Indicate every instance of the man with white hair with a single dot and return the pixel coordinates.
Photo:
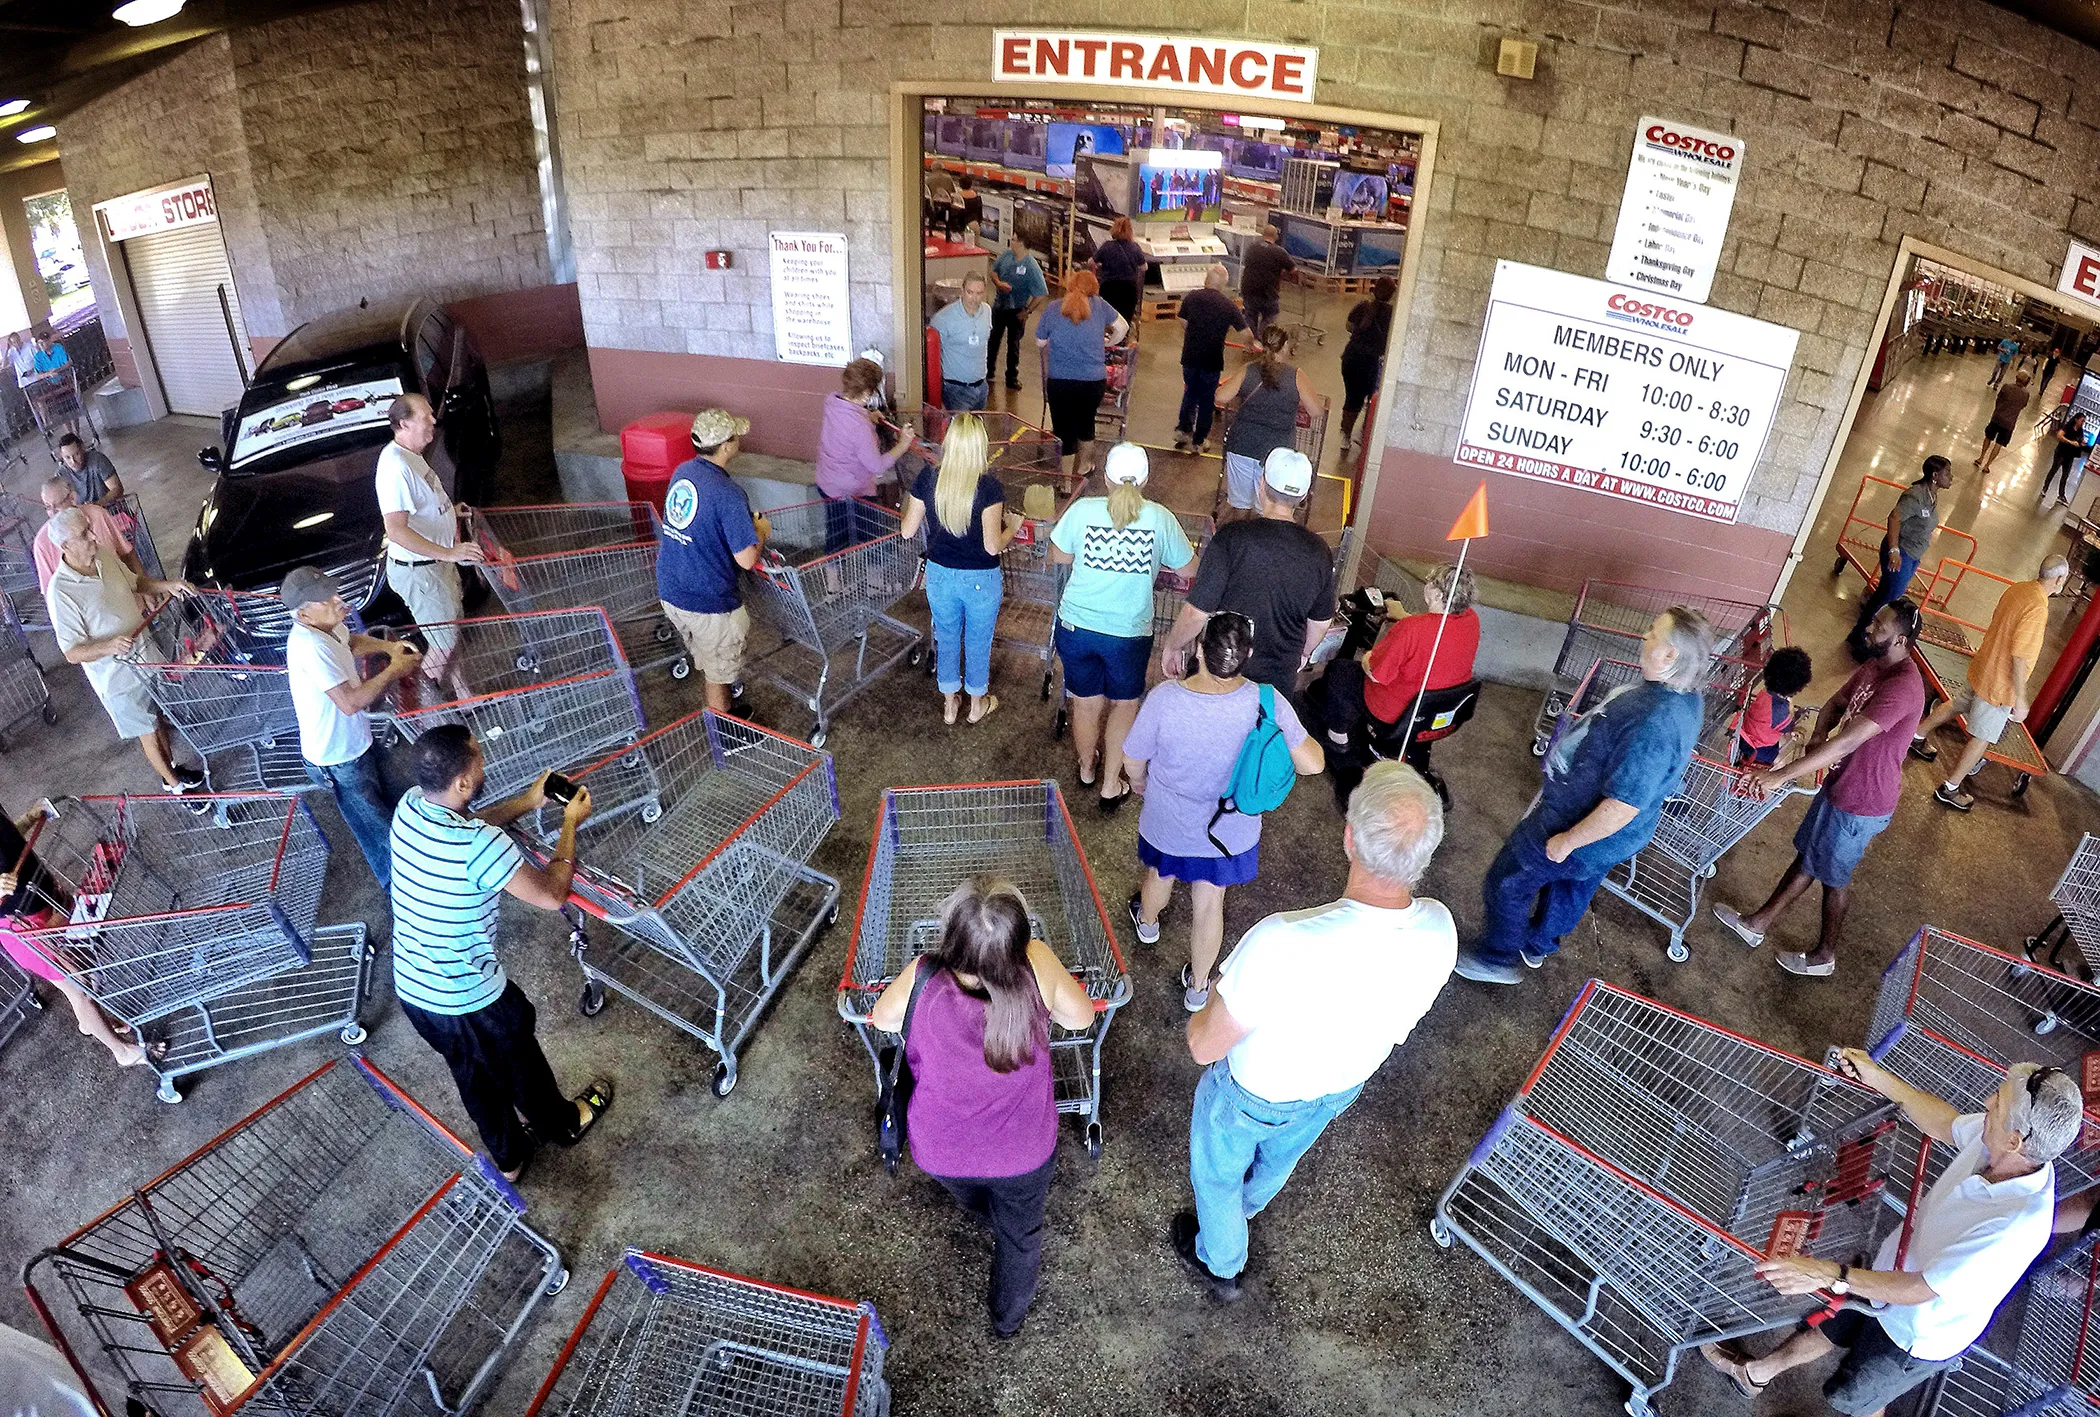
(1606, 782)
(1210, 315)
(1997, 680)
(96, 604)
(1970, 1240)
(423, 550)
(58, 494)
(1307, 1008)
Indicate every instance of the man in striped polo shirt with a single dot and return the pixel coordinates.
(451, 867)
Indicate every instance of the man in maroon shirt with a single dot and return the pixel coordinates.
(1861, 737)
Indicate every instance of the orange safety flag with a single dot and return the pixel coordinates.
(1473, 521)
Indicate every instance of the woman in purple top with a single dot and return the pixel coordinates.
(1180, 754)
(983, 1115)
(850, 459)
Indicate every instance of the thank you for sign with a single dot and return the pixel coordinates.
(812, 311)
(1157, 61)
(160, 209)
(1592, 385)
(1680, 189)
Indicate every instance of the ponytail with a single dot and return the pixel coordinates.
(1125, 501)
(1080, 289)
(1273, 341)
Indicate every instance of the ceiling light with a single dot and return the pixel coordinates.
(147, 12)
(13, 106)
(36, 135)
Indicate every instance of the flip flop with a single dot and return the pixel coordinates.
(598, 1097)
(1733, 1364)
(991, 706)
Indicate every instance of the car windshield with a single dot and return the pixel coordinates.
(334, 406)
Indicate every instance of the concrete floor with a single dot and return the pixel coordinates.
(1350, 1307)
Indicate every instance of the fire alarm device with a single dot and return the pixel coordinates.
(720, 260)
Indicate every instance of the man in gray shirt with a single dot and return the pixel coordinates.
(965, 328)
(1908, 536)
(94, 477)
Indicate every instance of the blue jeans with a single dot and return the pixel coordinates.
(1532, 901)
(1241, 1150)
(965, 606)
(963, 398)
(1199, 401)
(362, 797)
(1891, 584)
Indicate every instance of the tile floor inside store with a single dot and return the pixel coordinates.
(1349, 1305)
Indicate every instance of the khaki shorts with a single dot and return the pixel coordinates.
(1984, 720)
(716, 642)
(128, 699)
(432, 594)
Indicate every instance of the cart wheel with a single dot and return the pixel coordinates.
(354, 1035)
(680, 668)
(663, 634)
(1440, 1232)
(592, 1001)
(2046, 1024)
(1093, 1141)
(528, 663)
(168, 1092)
(1057, 725)
(831, 917)
(1538, 747)
(1706, 872)
(1678, 953)
(557, 1284)
(816, 738)
(725, 1078)
(889, 1164)
(2020, 784)
(652, 810)
(632, 760)
(917, 655)
(50, 712)
(931, 667)
(1046, 686)
(269, 742)
(1838, 566)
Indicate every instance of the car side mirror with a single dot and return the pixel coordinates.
(211, 459)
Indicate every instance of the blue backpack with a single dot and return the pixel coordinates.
(1263, 773)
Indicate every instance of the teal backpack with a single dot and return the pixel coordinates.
(1263, 773)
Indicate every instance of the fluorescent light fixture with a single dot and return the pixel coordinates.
(36, 135)
(1180, 157)
(304, 522)
(13, 106)
(147, 12)
(1256, 120)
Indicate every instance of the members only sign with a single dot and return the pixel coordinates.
(1613, 390)
(1157, 61)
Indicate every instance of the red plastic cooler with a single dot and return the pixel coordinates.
(651, 448)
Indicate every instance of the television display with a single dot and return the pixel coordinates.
(1036, 224)
(952, 136)
(1378, 250)
(987, 141)
(1025, 144)
(1305, 238)
(1187, 193)
(1360, 195)
(1068, 141)
(1258, 162)
(1216, 143)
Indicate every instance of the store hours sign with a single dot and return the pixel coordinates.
(1616, 391)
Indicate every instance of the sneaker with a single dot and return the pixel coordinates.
(1532, 961)
(1195, 1000)
(1472, 966)
(1948, 795)
(197, 805)
(1147, 934)
(189, 777)
(1182, 1235)
(1923, 751)
(1731, 917)
(1801, 964)
(1182, 441)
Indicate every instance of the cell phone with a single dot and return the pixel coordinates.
(560, 789)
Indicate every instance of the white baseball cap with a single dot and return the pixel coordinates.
(1289, 472)
(1127, 463)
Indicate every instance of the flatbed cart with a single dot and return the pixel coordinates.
(928, 840)
(696, 853)
(2076, 897)
(667, 1336)
(589, 554)
(1859, 541)
(337, 1253)
(1649, 1162)
(1944, 649)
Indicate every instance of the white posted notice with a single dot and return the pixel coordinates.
(1595, 386)
(1680, 189)
(812, 310)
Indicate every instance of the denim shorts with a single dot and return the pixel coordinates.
(1103, 666)
(1874, 1371)
(1832, 841)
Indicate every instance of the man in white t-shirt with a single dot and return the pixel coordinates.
(331, 697)
(1309, 1005)
(422, 530)
(1975, 1233)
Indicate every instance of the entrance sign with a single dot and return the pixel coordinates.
(1680, 189)
(1589, 384)
(1232, 67)
(2081, 274)
(159, 209)
(812, 310)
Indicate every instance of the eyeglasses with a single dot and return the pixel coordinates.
(2036, 1078)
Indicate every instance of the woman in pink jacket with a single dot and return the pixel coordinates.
(850, 459)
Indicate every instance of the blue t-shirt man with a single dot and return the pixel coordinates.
(50, 358)
(707, 524)
(1024, 275)
(2007, 348)
(964, 339)
(1633, 748)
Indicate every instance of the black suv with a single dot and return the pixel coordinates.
(298, 454)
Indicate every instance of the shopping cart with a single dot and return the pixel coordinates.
(825, 584)
(18, 578)
(1649, 1163)
(667, 1336)
(131, 521)
(928, 840)
(154, 910)
(215, 684)
(2077, 901)
(1302, 326)
(1952, 1015)
(1311, 440)
(1021, 453)
(23, 692)
(1030, 587)
(18, 999)
(695, 854)
(1985, 1385)
(539, 690)
(1170, 591)
(1725, 693)
(591, 554)
(59, 409)
(2057, 1352)
(337, 1253)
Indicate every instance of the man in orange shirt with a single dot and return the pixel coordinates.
(1998, 675)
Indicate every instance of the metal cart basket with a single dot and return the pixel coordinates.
(23, 692)
(1170, 591)
(1985, 1385)
(18, 999)
(2077, 900)
(599, 554)
(665, 1336)
(1650, 1161)
(214, 684)
(694, 852)
(338, 1253)
(928, 840)
(825, 584)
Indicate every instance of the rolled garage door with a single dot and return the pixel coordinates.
(176, 277)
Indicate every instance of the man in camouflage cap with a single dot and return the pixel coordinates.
(709, 536)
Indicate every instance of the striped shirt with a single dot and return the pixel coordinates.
(449, 874)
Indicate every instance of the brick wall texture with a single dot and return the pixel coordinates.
(370, 151)
(691, 124)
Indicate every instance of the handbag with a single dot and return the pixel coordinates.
(894, 1098)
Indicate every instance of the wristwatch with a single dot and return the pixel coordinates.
(1841, 1285)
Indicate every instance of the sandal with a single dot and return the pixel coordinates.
(1733, 1364)
(598, 1097)
(991, 705)
(948, 707)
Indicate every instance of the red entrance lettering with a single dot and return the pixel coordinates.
(1126, 60)
(1284, 76)
(1240, 61)
(1166, 65)
(1013, 55)
(1053, 58)
(1088, 48)
(2088, 277)
(1206, 66)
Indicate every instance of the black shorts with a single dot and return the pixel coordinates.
(1359, 382)
(1998, 433)
(1874, 1371)
(1073, 404)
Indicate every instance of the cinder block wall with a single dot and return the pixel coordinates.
(689, 124)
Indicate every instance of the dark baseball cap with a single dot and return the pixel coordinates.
(308, 585)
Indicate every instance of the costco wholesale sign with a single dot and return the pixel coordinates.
(161, 209)
(1621, 392)
(1680, 190)
(1157, 61)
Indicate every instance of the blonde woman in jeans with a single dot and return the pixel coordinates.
(968, 529)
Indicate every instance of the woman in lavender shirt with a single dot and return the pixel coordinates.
(983, 1115)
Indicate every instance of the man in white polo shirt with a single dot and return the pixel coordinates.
(1308, 1007)
(422, 530)
(331, 698)
(1975, 1233)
